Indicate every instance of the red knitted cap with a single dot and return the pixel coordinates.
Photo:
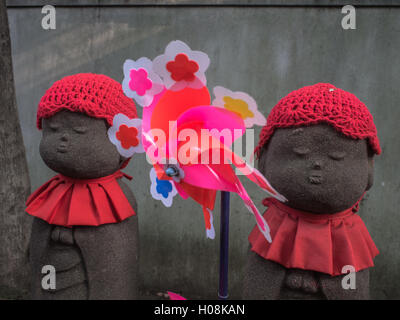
(96, 95)
(318, 103)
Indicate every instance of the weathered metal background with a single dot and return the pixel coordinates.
(265, 48)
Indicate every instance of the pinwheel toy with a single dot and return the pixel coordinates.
(188, 139)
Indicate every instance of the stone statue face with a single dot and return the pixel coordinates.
(77, 146)
(317, 168)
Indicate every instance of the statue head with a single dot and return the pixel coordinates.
(317, 149)
(75, 115)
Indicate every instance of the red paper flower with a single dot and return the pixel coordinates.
(182, 68)
(128, 136)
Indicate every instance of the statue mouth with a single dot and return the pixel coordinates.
(315, 179)
(62, 148)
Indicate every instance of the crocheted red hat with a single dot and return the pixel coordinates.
(318, 103)
(96, 95)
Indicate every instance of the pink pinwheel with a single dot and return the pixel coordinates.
(188, 140)
(205, 162)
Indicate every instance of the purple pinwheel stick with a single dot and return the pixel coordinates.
(224, 247)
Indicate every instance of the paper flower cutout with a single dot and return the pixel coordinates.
(209, 220)
(240, 103)
(163, 190)
(126, 135)
(140, 81)
(180, 67)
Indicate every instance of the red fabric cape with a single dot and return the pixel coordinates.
(319, 242)
(71, 202)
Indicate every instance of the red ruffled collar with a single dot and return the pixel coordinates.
(70, 202)
(320, 242)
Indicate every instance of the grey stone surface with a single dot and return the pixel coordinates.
(266, 52)
(268, 280)
(14, 179)
(204, 2)
(301, 164)
(91, 262)
(86, 154)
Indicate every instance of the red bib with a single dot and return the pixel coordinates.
(70, 202)
(320, 242)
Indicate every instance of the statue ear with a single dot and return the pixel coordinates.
(370, 170)
(261, 160)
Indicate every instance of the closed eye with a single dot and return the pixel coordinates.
(54, 126)
(80, 130)
(301, 151)
(337, 155)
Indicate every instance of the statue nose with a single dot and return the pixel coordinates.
(64, 137)
(317, 164)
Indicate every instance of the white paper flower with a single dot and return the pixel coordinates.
(240, 103)
(210, 232)
(180, 67)
(140, 81)
(163, 190)
(126, 135)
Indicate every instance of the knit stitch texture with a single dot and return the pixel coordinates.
(319, 103)
(96, 95)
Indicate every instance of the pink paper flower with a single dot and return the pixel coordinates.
(140, 81)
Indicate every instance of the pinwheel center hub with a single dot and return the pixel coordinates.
(172, 171)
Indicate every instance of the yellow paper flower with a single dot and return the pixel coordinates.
(240, 103)
(238, 106)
